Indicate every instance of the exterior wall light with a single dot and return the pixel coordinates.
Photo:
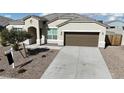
(30, 21)
(61, 33)
(102, 33)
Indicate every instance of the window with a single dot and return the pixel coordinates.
(44, 22)
(112, 27)
(17, 29)
(52, 33)
(31, 21)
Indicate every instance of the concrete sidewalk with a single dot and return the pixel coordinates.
(78, 63)
(34, 46)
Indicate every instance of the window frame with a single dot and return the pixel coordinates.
(52, 32)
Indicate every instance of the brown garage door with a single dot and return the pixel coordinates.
(81, 38)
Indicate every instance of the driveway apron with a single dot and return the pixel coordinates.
(77, 63)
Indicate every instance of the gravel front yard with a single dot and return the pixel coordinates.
(26, 68)
(114, 57)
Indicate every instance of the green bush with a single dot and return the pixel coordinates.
(13, 37)
(4, 37)
(3, 43)
(18, 36)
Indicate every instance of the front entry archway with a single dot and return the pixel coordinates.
(33, 32)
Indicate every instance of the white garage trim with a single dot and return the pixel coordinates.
(81, 30)
(101, 41)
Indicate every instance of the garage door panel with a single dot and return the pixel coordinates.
(81, 39)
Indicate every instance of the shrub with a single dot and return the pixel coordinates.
(13, 37)
(4, 37)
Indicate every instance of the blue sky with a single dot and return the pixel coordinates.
(98, 16)
(18, 15)
(106, 16)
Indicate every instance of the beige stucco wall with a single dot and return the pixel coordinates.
(57, 22)
(34, 23)
(122, 42)
(83, 27)
(38, 24)
(54, 25)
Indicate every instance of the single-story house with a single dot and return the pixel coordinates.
(65, 29)
(76, 30)
(116, 26)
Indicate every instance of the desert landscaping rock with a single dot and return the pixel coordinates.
(31, 67)
(114, 57)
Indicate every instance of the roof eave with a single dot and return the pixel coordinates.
(62, 24)
(25, 18)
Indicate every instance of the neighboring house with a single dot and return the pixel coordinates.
(69, 29)
(116, 26)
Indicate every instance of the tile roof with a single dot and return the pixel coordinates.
(21, 21)
(55, 16)
(108, 22)
(82, 19)
(36, 17)
(72, 18)
(52, 16)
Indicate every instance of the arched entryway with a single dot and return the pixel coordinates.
(33, 32)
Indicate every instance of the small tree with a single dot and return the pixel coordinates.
(14, 37)
(1, 28)
(4, 37)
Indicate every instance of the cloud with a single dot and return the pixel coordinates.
(112, 14)
(115, 16)
(104, 14)
(118, 14)
(111, 18)
(9, 16)
(43, 14)
(107, 16)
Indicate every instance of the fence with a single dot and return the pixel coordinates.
(113, 40)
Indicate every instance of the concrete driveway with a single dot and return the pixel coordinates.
(78, 63)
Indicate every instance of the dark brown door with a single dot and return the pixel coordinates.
(81, 38)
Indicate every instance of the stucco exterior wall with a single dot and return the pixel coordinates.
(54, 25)
(122, 42)
(82, 27)
(32, 22)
